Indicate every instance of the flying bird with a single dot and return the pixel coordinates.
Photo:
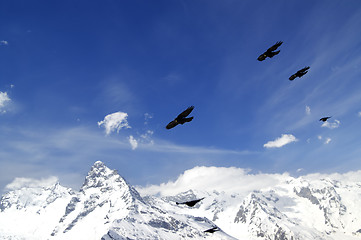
(181, 118)
(324, 119)
(299, 73)
(191, 203)
(270, 52)
(212, 230)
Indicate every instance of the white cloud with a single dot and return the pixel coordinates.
(280, 142)
(4, 99)
(145, 138)
(115, 121)
(231, 180)
(19, 183)
(308, 110)
(3, 42)
(319, 137)
(359, 114)
(331, 125)
(215, 178)
(328, 140)
(133, 142)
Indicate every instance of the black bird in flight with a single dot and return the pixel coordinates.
(324, 119)
(270, 52)
(191, 203)
(299, 73)
(181, 118)
(212, 230)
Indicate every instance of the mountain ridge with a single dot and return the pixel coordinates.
(108, 207)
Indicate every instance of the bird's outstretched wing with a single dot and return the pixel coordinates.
(274, 47)
(190, 203)
(324, 119)
(172, 124)
(299, 73)
(270, 52)
(186, 112)
(303, 70)
(212, 230)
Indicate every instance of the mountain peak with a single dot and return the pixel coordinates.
(103, 178)
(98, 164)
(98, 174)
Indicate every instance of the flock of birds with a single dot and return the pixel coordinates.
(183, 117)
(271, 52)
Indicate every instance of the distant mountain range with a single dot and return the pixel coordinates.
(107, 207)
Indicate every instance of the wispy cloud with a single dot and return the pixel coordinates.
(116, 92)
(147, 116)
(162, 146)
(308, 110)
(133, 142)
(63, 152)
(172, 78)
(3, 42)
(331, 125)
(4, 99)
(328, 140)
(147, 137)
(114, 122)
(359, 114)
(47, 152)
(281, 141)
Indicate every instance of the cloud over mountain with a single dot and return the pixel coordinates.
(215, 178)
(19, 183)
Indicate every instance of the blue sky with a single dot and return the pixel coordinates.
(65, 66)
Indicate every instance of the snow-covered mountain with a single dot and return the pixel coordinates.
(273, 206)
(107, 207)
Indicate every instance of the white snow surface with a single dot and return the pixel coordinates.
(316, 206)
